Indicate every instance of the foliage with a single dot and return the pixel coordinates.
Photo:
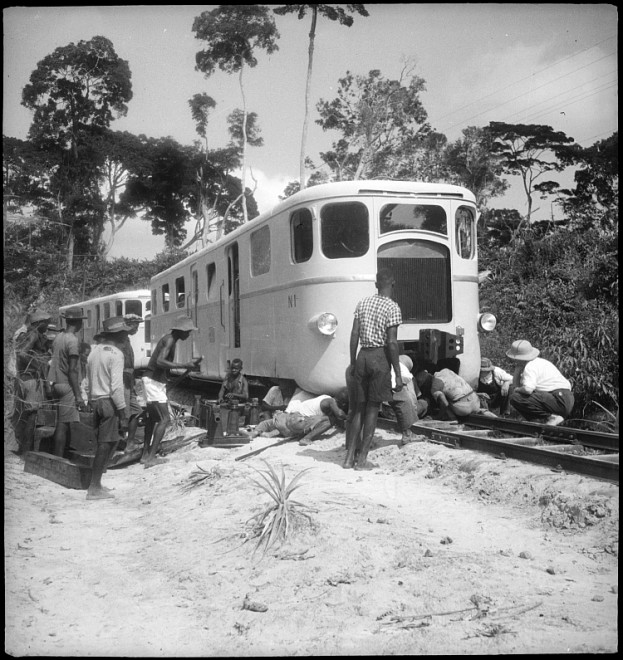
(273, 524)
(377, 118)
(553, 289)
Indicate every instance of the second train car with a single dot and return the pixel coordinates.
(280, 291)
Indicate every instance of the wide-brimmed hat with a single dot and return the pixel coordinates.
(74, 313)
(115, 324)
(522, 350)
(38, 315)
(185, 324)
(486, 364)
(133, 318)
(407, 361)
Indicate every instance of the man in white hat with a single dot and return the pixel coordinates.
(541, 391)
(64, 375)
(155, 386)
(107, 398)
(31, 349)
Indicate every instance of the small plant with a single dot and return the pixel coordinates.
(273, 524)
(201, 476)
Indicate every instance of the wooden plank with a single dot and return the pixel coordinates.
(57, 469)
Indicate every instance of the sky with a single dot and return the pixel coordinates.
(550, 63)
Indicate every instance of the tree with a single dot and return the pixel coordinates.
(231, 34)
(595, 199)
(75, 93)
(375, 116)
(471, 163)
(200, 106)
(530, 151)
(333, 13)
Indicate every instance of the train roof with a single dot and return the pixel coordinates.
(364, 187)
(145, 293)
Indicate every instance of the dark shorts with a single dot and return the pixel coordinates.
(158, 412)
(67, 411)
(373, 376)
(105, 421)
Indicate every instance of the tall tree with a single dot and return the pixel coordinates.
(471, 163)
(231, 34)
(530, 151)
(374, 116)
(333, 13)
(75, 93)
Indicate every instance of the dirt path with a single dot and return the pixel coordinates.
(435, 551)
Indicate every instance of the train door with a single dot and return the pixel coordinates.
(233, 292)
(192, 304)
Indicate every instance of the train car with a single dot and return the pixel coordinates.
(118, 304)
(280, 291)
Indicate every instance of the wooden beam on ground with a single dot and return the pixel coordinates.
(57, 469)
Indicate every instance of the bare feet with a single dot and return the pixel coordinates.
(150, 462)
(100, 493)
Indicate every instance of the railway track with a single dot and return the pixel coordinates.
(589, 453)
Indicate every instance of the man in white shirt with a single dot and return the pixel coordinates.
(541, 391)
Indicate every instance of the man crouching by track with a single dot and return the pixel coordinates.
(155, 386)
(107, 398)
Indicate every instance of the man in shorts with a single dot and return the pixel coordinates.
(155, 386)
(64, 374)
(31, 349)
(107, 398)
(131, 401)
(375, 328)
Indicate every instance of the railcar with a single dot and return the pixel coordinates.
(280, 291)
(97, 310)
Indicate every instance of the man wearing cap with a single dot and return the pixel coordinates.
(31, 364)
(131, 401)
(64, 375)
(107, 398)
(541, 391)
(155, 386)
(493, 387)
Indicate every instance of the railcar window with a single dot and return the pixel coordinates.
(345, 230)
(211, 273)
(118, 307)
(180, 292)
(260, 251)
(147, 305)
(89, 318)
(428, 217)
(165, 297)
(465, 229)
(134, 307)
(301, 235)
(106, 310)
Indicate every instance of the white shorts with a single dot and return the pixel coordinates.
(155, 391)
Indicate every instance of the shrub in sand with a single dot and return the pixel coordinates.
(274, 523)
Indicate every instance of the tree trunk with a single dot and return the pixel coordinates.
(312, 34)
(245, 216)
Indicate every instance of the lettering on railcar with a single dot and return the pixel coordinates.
(292, 300)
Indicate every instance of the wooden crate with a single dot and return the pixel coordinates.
(57, 469)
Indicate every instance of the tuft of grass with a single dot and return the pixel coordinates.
(201, 476)
(273, 524)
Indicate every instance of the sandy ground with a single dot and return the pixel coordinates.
(434, 551)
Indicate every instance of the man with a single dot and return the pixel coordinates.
(131, 401)
(494, 387)
(405, 404)
(277, 398)
(31, 362)
(454, 396)
(107, 398)
(541, 392)
(64, 375)
(375, 328)
(155, 386)
(235, 385)
(306, 416)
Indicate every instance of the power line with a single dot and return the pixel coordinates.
(530, 91)
(564, 59)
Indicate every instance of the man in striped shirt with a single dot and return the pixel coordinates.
(375, 329)
(106, 391)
